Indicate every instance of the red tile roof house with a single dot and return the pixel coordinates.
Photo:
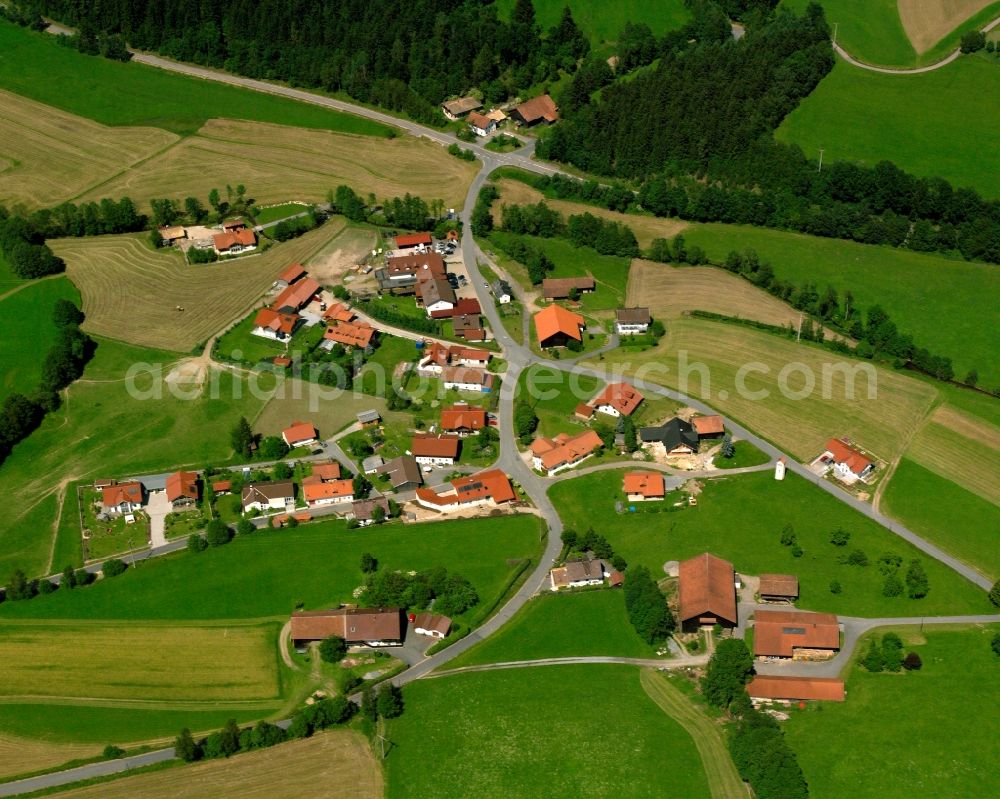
(417, 266)
(323, 473)
(795, 634)
(463, 419)
(643, 486)
(432, 625)
(348, 334)
(222, 487)
(267, 496)
(465, 378)
(559, 288)
(436, 356)
(491, 487)
(338, 313)
(409, 241)
(300, 434)
(778, 587)
(764, 689)
(555, 326)
(469, 326)
(296, 296)
(291, 274)
(707, 589)
(708, 426)
(276, 326)
(617, 399)
(537, 109)
(481, 125)
(182, 489)
(374, 627)
(435, 450)
(235, 242)
(123, 497)
(579, 573)
(334, 492)
(553, 455)
(849, 465)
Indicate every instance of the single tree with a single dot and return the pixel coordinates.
(369, 563)
(788, 537)
(368, 707)
(112, 752)
(230, 743)
(184, 746)
(244, 527)
(728, 672)
(113, 567)
(332, 649)
(389, 703)
(196, 543)
(912, 662)
(995, 644)
(917, 584)
(569, 538)
(872, 660)
(892, 586)
(241, 438)
(840, 537)
(217, 533)
(995, 594)
(728, 448)
(629, 436)
(281, 471)
(68, 577)
(378, 514)
(362, 487)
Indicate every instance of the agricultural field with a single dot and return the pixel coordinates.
(881, 423)
(113, 93)
(54, 156)
(276, 162)
(602, 22)
(899, 734)
(946, 513)
(858, 115)
(112, 662)
(741, 518)
(575, 624)
(669, 291)
(23, 755)
(906, 284)
(304, 768)
(557, 731)
(29, 332)
(131, 292)
(273, 213)
(110, 424)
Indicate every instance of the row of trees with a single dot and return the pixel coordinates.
(25, 250)
(647, 606)
(20, 587)
(87, 219)
(583, 230)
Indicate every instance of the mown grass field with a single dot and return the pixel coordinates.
(741, 518)
(576, 624)
(170, 664)
(131, 292)
(54, 156)
(304, 768)
(946, 513)
(273, 213)
(558, 731)
(275, 162)
(104, 429)
(870, 30)
(916, 290)
(908, 734)
(29, 332)
(934, 123)
(881, 423)
(113, 93)
(602, 22)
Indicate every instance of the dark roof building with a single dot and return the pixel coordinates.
(707, 588)
(403, 473)
(677, 437)
(559, 288)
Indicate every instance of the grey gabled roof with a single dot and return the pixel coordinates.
(369, 416)
(670, 434)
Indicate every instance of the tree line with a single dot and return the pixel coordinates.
(451, 593)
(582, 230)
(25, 250)
(20, 588)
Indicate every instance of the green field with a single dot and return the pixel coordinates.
(29, 332)
(555, 731)
(746, 454)
(114, 93)
(276, 212)
(239, 344)
(267, 573)
(957, 520)
(741, 518)
(917, 733)
(575, 624)
(870, 30)
(933, 124)
(554, 395)
(602, 21)
(905, 283)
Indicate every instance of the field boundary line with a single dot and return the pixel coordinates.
(129, 168)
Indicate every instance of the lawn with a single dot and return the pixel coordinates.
(906, 284)
(554, 395)
(602, 22)
(741, 518)
(267, 573)
(871, 30)
(557, 731)
(240, 345)
(941, 511)
(916, 733)
(574, 624)
(113, 93)
(745, 454)
(863, 116)
(378, 373)
(105, 537)
(273, 213)
(29, 332)
(113, 662)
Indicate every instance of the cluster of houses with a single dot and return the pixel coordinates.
(490, 488)
(538, 110)
(556, 326)
(182, 489)
(234, 237)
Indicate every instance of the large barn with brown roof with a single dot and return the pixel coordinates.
(537, 109)
(765, 687)
(795, 634)
(371, 626)
(555, 326)
(707, 588)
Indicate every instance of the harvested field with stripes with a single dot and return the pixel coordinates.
(22, 755)
(927, 22)
(132, 293)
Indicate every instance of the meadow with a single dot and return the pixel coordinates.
(557, 731)
(29, 332)
(917, 290)
(741, 518)
(912, 733)
(114, 93)
(575, 624)
(554, 395)
(115, 662)
(603, 22)
(942, 511)
(880, 421)
(863, 116)
(871, 30)
(132, 293)
(277, 163)
(304, 768)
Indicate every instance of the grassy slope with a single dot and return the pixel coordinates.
(559, 731)
(563, 625)
(929, 124)
(266, 573)
(740, 518)
(113, 93)
(909, 734)
(869, 30)
(603, 21)
(29, 332)
(955, 519)
(906, 284)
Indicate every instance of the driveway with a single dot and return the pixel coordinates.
(157, 509)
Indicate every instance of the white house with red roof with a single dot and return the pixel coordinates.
(274, 325)
(122, 497)
(617, 399)
(491, 487)
(300, 434)
(849, 464)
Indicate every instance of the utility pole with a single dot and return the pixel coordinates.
(820, 160)
(835, 24)
(798, 333)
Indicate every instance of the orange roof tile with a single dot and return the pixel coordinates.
(555, 319)
(122, 492)
(182, 484)
(334, 489)
(649, 484)
(843, 453)
(707, 588)
(299, 431)
(226, 241)
(297, 294)
(623, 397)
(463, 417)
(338, 313)
(292, 273)
(792, 688)
(708, 425)
(778, 633)
(269, 319)
(571, 450)
(435, 446)
(350, 334)
(413, 239)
